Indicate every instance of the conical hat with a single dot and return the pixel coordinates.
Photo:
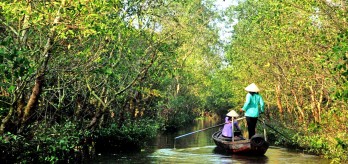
(232, 113)
(252, 88)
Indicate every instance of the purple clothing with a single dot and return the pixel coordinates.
(227, 130)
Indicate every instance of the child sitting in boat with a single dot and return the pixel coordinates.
(227, 129)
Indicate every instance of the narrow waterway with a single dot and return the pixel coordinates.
(200, 148)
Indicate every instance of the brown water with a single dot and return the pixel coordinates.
(200, 148)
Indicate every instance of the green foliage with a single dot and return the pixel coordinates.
(14, 63)
(133, 131)
(180, 111)
(129, 137)
(57, 143)
(337, 59)
(319, 144)
(114, 66)
(11, 146)
(293, 50)
(221, 97)
(316, 140)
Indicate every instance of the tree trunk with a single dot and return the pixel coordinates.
(313, 104)
(26, 25)
(34, 97)
(6, 120)
(20, 106)
(279, 101)
(40, 77)
(177, 85)
(96, 117)
(298, 106)
(320, 101)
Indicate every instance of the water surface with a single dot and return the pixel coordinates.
(200, 148)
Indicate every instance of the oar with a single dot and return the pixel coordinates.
(275, 130)
(196, 132)
(201, 130)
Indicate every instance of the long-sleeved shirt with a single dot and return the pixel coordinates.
(251, 105)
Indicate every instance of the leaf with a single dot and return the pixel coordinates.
(108, 71)
(11, 89)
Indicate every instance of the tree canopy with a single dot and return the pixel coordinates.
(77, 72)
(296, 52)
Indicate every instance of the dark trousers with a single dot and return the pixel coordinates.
(251, 121)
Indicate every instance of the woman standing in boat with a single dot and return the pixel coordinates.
(253, 107)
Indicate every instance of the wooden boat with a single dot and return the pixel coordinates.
(257, 145)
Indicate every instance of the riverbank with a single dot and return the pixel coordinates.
(323, 140)
(71, 146)
(199, 148)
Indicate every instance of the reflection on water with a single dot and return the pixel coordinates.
(235, 158)
(206, 154)
(200, 148)
(209, 154)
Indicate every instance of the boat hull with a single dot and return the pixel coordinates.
(255, 146)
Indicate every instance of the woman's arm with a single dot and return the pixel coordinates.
(247, 101)
(262, 104)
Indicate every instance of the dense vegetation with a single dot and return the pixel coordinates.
(297, 52)
(80, 76)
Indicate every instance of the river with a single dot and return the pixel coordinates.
(200, 148)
